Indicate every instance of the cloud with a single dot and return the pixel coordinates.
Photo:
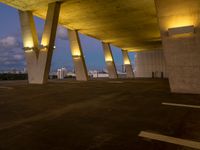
(9, 42)
(18, 57)
(62, 33)
(11, 53)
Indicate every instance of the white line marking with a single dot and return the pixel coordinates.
(168, 139)
(5, 87)
(181, 105)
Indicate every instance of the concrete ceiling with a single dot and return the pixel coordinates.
(128, 24)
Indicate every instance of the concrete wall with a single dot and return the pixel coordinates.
(148, 62)
(182, 52)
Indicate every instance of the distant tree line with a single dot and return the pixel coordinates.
(21, 76)
(11, 76)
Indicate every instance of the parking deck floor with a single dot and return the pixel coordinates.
(94, 115)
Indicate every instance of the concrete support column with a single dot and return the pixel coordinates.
(78, 57)
(48, 40)
(38, 57)
(30, 42)
(127, 64)
(180, 31)
(112, 71)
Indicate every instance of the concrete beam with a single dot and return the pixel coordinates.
(112, 71)
(127, 64)
(78, 57)
(180, 43)
(39, 57)
(132, 17)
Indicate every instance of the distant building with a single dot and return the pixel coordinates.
(61, 73)
(121, 74)
(98, 74)
(71, 74)
(25, 70)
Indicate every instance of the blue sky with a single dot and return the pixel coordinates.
(12, 55)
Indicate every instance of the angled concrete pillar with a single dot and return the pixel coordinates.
(78, 57)
(127, 64)
(180, 31)
(38, 57)
(30, 40)
(112, 71)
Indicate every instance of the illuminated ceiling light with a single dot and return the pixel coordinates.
(109, 60)
(40, 48)
(28, 49)
(43, 47)
(76, 53)
(76, 57)
(108, 57)
(180, 31)
(127, 62)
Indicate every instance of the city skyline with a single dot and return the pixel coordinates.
(12, 55)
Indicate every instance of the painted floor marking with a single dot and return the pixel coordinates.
(181, 105)
(5, 87)
(169, 139)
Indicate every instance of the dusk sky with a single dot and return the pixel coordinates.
(12, 55)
